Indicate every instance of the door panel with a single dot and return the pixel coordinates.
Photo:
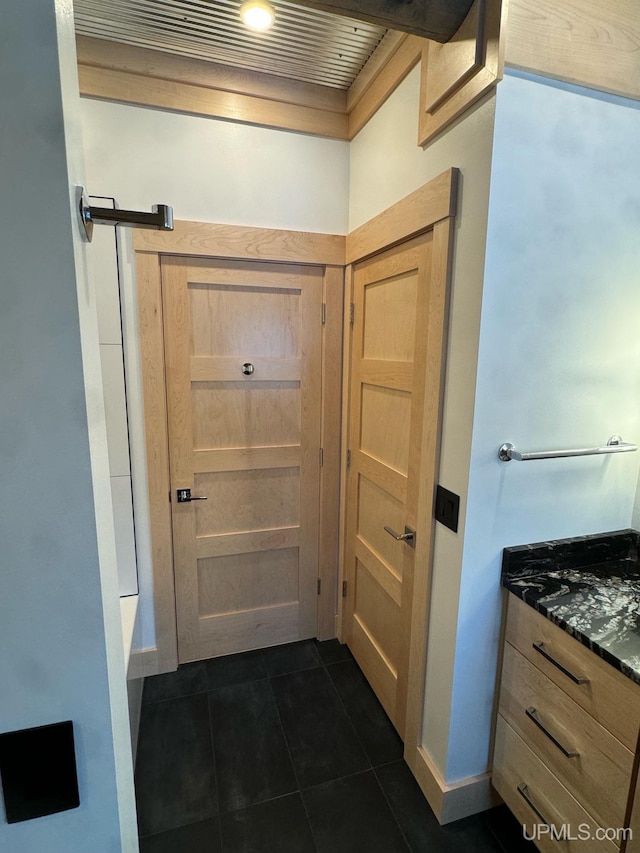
(243, 350)
(262, 414)
(380, 405)
(391, 294)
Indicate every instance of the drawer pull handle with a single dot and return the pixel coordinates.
(577, 679)
(533, 716)
(523, 790)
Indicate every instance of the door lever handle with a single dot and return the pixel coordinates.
(185, 497)
(409, 535)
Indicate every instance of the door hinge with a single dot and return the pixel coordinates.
(344, 589)
(324, 313)
(321, 457)
(348, 459)
(352, 314)
(319, 585)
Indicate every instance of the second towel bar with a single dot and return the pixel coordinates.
(507, 451)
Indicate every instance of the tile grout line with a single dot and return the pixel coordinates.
(215, 769)
(353, 726)
(373, 768)
(319, 662)
(178, 826)
(293, 767)
(322, 665)
(391, 809)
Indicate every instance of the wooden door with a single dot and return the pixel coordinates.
(243, 368)
(391, 303)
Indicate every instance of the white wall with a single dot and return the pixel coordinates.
(386, 165)
(215, 171)
(60, 632)
(208, 170)
(559, 362)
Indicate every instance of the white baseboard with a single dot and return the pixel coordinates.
(143, 662)
(134, 690)
(451, 802)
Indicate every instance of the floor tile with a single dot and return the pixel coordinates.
(333, 651)
(278, 826)
(419, 824)
(293, 657)
(507, 830)
(252, 759)
(375, 730)
(472, 835)
(234, 669)
(189, 678)
(351, 815)
(195, 838)
(322, 741)
(175, 778)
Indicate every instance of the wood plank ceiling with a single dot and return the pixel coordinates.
(305, 44)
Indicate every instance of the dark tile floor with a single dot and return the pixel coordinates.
(286, 750)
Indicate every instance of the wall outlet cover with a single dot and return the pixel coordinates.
(38, 771)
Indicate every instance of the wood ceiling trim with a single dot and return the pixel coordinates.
(389, 77)
(212, 103)
(143, 77)
(379, 58)
(146, 78)
(210, 75)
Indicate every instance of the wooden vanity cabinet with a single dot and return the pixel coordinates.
(566, 738)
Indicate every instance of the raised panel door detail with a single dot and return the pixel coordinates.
(391, 294)
(243, 356)
(243, 414)
(390, 323)
(384, 406)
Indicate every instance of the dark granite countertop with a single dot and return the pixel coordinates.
(589, 586)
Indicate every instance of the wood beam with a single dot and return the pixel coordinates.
(432, 19)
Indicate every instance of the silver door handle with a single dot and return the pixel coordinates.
(247, 368)
(409, 535)
(185, 496)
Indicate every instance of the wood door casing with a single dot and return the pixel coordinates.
(245, 560)
(391, 302)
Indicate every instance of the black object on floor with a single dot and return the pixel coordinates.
(287, 750)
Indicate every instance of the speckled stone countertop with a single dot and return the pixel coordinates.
(589, 586)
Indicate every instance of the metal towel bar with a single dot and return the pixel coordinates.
(160, 218)
(507, 451)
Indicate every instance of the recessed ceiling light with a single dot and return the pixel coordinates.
(257, 14)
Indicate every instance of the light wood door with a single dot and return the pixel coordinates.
(391, 301)
(243, 368)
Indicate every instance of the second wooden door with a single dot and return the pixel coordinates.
(243, 368)
(391, 304)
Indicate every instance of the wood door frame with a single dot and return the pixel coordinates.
(201, 239)
(431, 207)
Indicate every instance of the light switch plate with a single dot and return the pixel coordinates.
(447, 508)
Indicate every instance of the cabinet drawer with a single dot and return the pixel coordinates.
(517, 774)
(586, 758)
(607, 695)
